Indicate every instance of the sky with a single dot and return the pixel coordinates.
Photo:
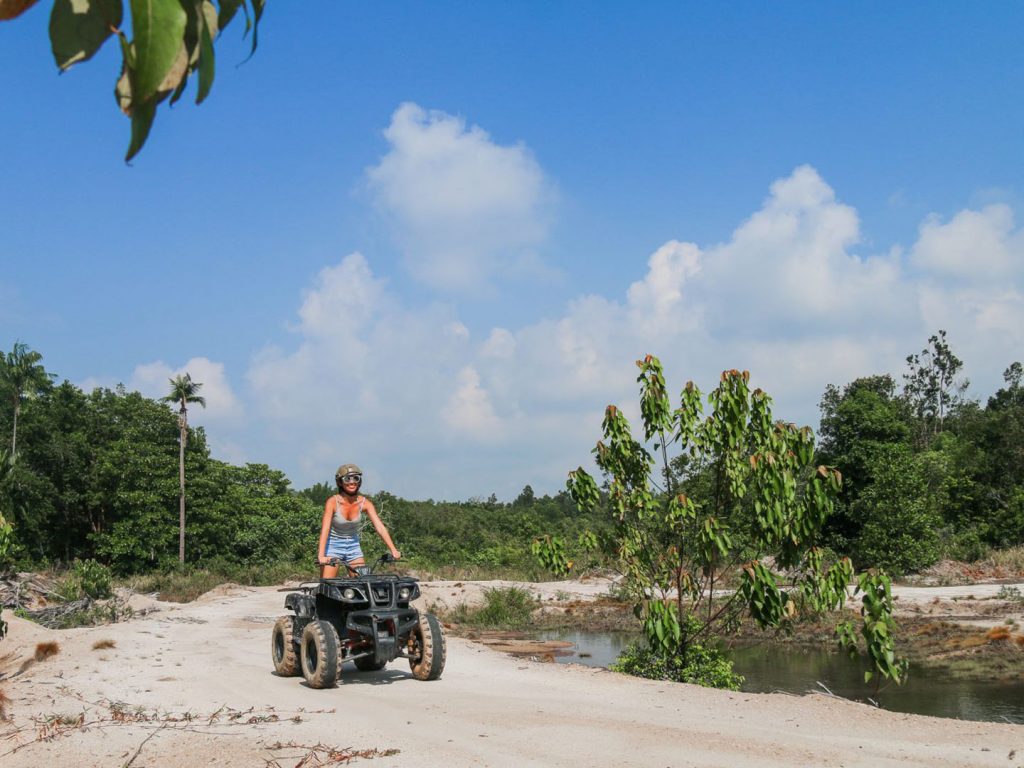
(433, 238)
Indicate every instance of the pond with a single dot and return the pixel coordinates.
(799, 669)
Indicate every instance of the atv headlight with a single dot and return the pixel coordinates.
(349, 593)
(404, 592)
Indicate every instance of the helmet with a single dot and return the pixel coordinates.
(348, 469)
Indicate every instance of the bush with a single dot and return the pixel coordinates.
(901, 518)
(700, 665)
(503, 608)
(87, 578)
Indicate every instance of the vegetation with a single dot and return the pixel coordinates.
(740, 487)
(503, 608)
(699, 504)
(184, 392)
(171, 41)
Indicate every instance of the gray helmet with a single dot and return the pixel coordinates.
(348, 469)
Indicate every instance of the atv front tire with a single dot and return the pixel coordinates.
(320, 653)
(282, 648)
(427, 648)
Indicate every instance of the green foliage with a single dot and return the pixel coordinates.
(931, 386)
(87, 578)
(503, 608)
(900, 514)
(740, 488)
(171, 41)
(877, 630)
(701, 665)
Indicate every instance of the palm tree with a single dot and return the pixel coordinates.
(183, 392)
(23, 374)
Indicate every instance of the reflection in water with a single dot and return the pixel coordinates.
(796, 669)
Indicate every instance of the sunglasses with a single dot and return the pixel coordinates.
(351, 478)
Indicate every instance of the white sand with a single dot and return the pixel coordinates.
(211, 660)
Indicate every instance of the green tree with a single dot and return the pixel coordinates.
(900, 512)
(757, 498)
(184, 392)
(23, 377)
(858, 424)
(932, 387)
(171, 40)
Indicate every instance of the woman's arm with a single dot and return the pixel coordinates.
(325, 531)
(381, 530)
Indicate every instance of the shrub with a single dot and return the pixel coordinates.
(700, 665)
(503, 608)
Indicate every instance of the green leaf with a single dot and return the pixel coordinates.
(206, 60)
(158, 27)
(868, 675)
(79, 27)
(228, 9)
(142, 121)
(257, 7)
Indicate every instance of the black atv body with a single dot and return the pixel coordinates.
(365, 618)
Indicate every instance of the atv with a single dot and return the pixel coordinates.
(364, 618)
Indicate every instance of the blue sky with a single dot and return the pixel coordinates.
(432, 238)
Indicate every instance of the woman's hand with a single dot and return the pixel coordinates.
(323, 560)
(396, 554)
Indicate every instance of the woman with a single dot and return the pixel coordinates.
(342, 522)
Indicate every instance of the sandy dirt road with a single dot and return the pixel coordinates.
(192, 685)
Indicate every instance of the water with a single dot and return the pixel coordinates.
(796, 669)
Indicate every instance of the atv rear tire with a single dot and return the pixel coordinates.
(428, 648)
(368, 664)
(320, 653)
(282, 648)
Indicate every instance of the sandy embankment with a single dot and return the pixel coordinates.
(192, 685)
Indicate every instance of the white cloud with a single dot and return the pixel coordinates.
(469, 410)
(408, 391)
(462, 207)
(222, 405)
(973, 245)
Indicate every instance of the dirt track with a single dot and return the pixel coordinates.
(192, 685)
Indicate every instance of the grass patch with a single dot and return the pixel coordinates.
(183, 585)
(1011, 559)
(503, 608)
(102, 645)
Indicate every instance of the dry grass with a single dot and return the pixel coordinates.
(998, 633)
(102, 645)
(5, 701)
(46, 650)
(1011, 559)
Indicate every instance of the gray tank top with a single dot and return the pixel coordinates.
(346, 528)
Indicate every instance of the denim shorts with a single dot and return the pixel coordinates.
(344, 548)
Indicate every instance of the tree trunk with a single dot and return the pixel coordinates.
(181, 490)
(14, 430)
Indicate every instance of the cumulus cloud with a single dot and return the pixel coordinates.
(463, 208)
(410, 390)
(222, 405)
(973, 245)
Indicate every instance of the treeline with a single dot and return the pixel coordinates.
(927, 473)
(95, 476)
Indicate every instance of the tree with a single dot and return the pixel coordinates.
(183, 392)
(23, 377)
(931, 387)
(749, 496)
(172, 40)
(858, 424)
